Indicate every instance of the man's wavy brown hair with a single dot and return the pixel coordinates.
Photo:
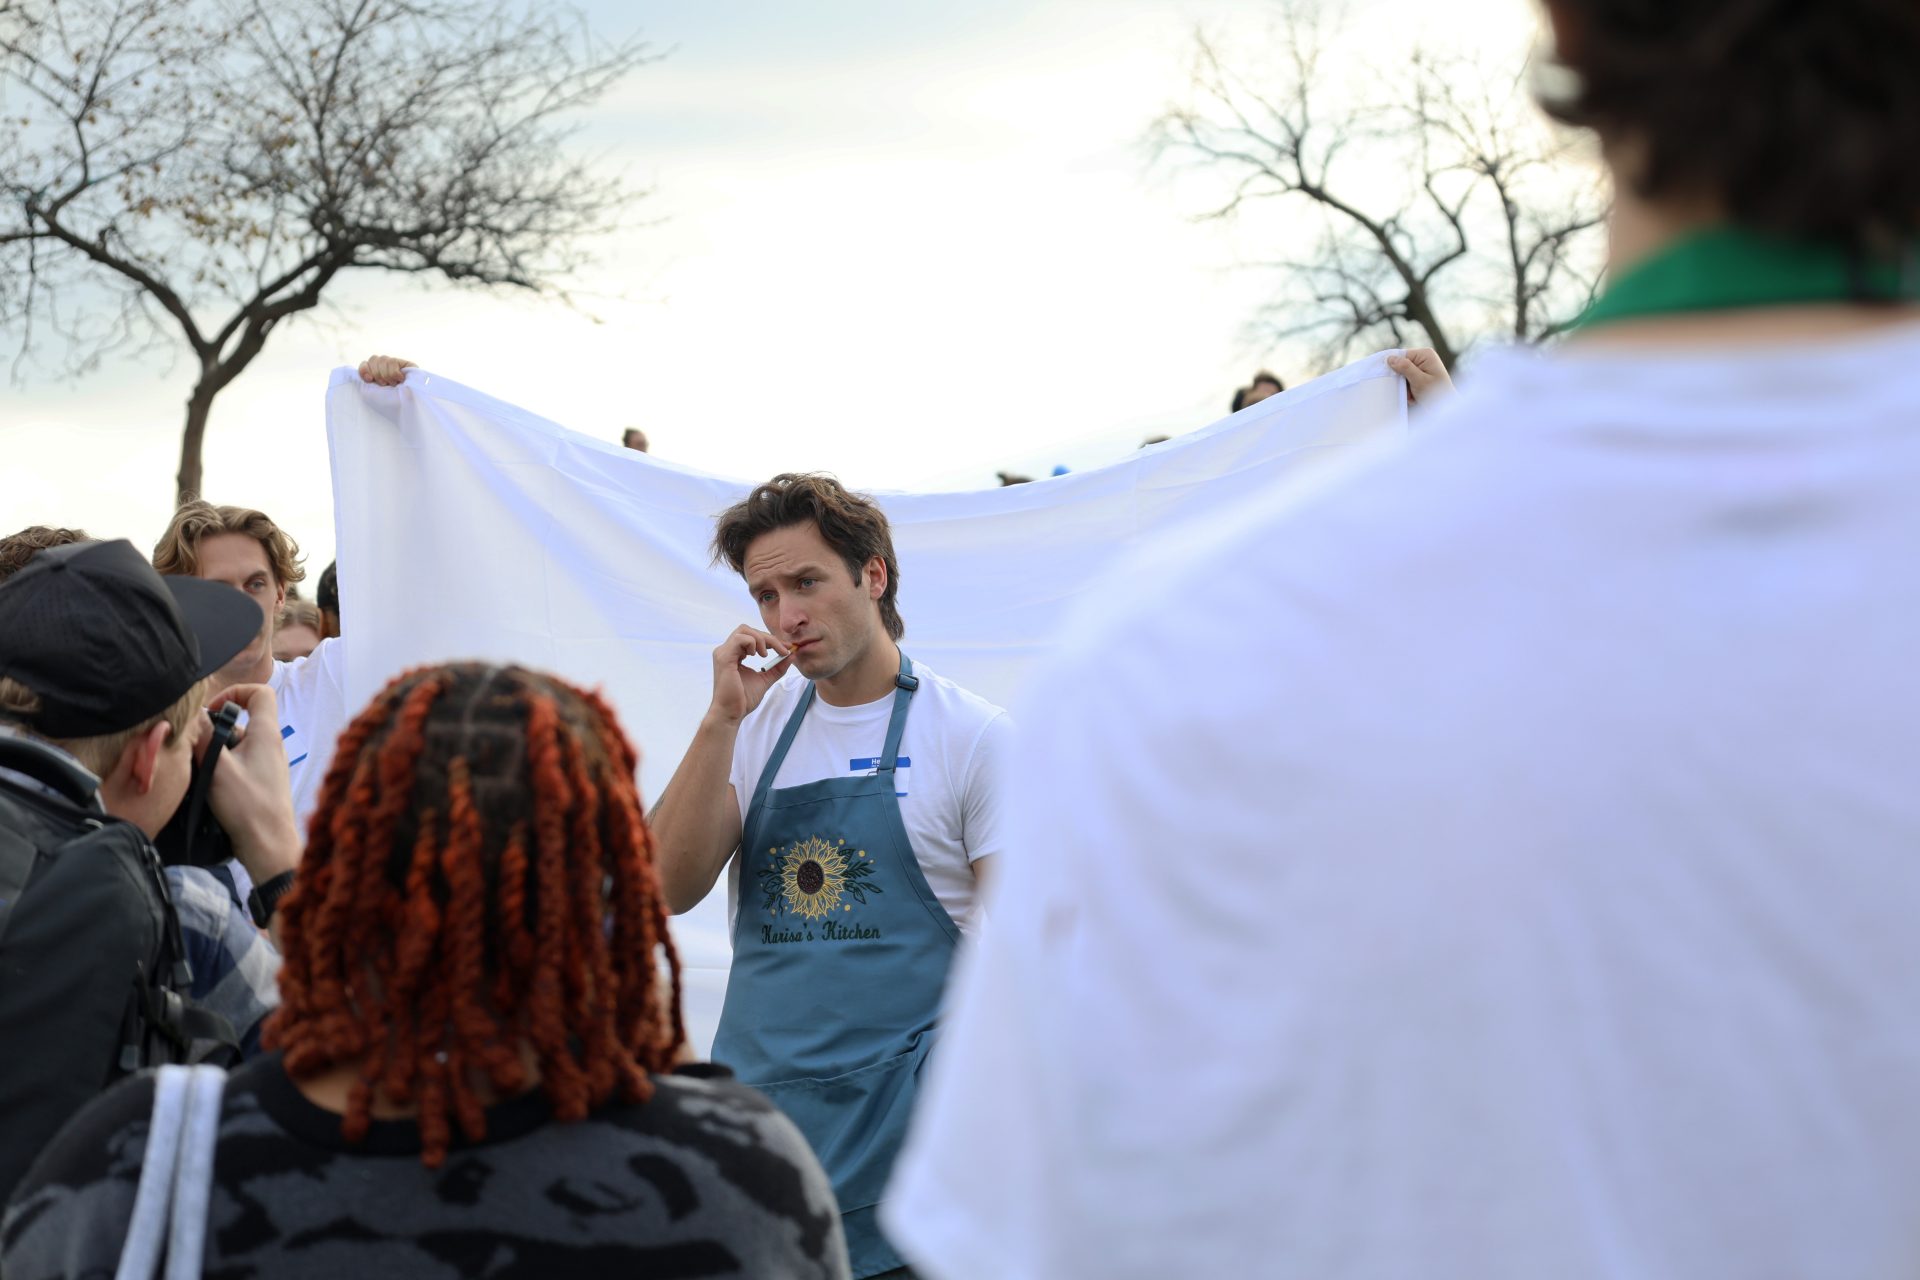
(178, 551)
(1798, 117)
(851, 523)
(478, 908)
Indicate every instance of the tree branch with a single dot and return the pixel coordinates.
(1474, 173)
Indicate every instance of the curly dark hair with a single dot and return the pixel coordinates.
(327, 595)
(1799, 118)
(479, 878)
(851, 523)
(18, 548)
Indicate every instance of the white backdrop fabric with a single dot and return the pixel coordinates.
(468, 528)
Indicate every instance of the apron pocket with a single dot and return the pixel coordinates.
(857, 1121)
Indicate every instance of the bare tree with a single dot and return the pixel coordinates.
(1441, 205)
(203, 170)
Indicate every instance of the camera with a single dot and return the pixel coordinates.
(193, 837)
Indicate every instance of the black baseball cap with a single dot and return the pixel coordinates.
(107, 643)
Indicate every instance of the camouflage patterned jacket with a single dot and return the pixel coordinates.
(706, 1179)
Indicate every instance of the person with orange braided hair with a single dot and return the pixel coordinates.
(478, 977)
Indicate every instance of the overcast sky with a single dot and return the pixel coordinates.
(911, 244)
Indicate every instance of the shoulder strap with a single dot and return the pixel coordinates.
(176, 1176)
(29, 830)
(179, 1030)
(17, 856)
(781, 747)
(193, 1177)
(146, 1232)
(904, 686)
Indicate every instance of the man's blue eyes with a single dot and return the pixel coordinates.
(766, 597)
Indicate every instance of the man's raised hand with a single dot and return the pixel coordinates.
(1426, 374)
(737, 690)
(385, 371)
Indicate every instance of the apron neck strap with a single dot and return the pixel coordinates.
(904, 686)
(779, 756)
(1726, 268)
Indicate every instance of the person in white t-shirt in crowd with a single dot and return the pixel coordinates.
(245, 549)
(1505, 862)
(853, 798)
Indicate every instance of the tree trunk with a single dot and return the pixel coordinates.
(1421, 313)
(199, 405)
(216, 373)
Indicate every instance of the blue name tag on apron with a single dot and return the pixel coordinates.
(865, 765)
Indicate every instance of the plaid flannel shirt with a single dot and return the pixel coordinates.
(236, 971)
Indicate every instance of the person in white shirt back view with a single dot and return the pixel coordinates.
(1505, 863)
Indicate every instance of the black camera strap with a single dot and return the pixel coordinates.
(196, 803)
(192, 837)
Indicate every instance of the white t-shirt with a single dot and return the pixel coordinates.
(949, 775)
(311, 693)
(1506, 864)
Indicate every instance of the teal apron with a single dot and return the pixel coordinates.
(840, 954)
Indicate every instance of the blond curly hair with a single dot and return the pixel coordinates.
(177, 552)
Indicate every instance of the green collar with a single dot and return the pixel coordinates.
(1723, 268)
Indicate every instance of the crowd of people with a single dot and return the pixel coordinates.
(1499, 862)
(476, 972)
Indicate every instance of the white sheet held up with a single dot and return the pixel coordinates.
(468, 528)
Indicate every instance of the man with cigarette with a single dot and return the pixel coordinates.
(853, 798)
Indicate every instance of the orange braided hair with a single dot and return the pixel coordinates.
(479, 887)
